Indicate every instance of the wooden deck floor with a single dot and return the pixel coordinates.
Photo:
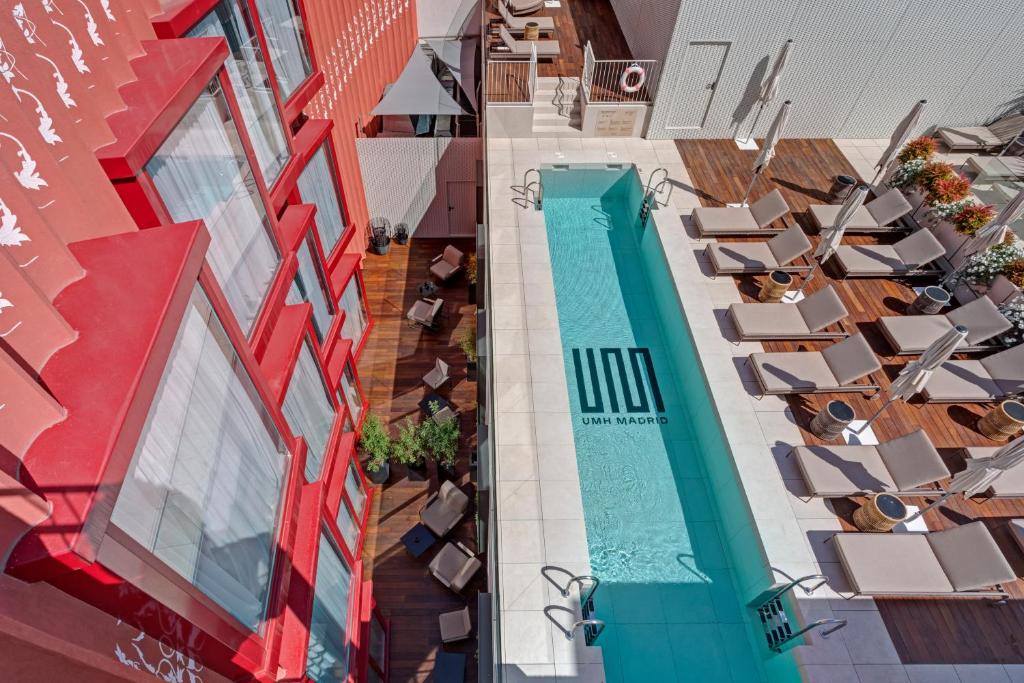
(391, 367)
(924, 631)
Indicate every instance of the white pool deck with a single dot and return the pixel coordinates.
(540, 512)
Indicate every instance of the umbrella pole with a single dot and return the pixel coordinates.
(874, 417)
(936, 503)
(809, 276)
(749, 188)
(750, 135)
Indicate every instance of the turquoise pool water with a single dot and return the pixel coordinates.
(643, 433)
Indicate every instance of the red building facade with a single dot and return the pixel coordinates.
(181, 308)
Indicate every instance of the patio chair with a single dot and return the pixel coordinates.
(521, 48)
(518, 24)
(778, 253)
(438, 375)
(444, 509)
(912, 334)
(992, 136)
(1005, 167)
(443, 414)
(836, 369)
(755, 219)
(454, 566)
(907, 258)
(447, 264)
(902, 466)
(455, 626)
(963, 561)
(992, 378)
(524, 6)
(1009, 484)
(806, 319)
(877, 215)
(426, 313)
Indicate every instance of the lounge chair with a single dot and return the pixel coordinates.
(521, 48)
(444, 509)
(902, 466)
(523, 6)
(912, 334)
(994, 135)
(992, 378)
(447, 264)
(454, 566)
(455, 626)
(778, 253)
(1002, 290)
(997, 167)
(1009, 484)
(426, 313)
(806, 319)
(877, 215)
(833, 370)
(907, 258)
(960, 562)
(518, 24)
(438, 375)
(755, 219)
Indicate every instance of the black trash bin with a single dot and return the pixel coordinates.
(841, 188)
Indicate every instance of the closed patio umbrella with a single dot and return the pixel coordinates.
(770, 87)
(898, 139)
(990, 235)
(833, 235)
(768, 151)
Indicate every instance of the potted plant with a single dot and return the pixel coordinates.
(376, 445)
(401, 233)
(1005, 259)
(409, 449)
(1014, 312)
(380, 236)
(471, 277)
(441, 441)
(972, 218)
(468, 344)
(921, 148)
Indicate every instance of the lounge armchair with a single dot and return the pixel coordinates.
(806, 319)
(778, 253)
(454, 566)
(755, 219)
(992, 378)
(960, 562)
(426, 313)
(836, 369)
(455, 626)
(902, 466)
(997, 167)
(518, 24)
(444, 509)
(912, 334)
(1009, 484)
(907, 258)
(438, 375)
(994, 135)
(521, 48)
(447, 265)
(877, 215)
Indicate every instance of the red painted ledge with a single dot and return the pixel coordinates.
(283, 347)
(302, 95)
(310, 137)
(176, 21)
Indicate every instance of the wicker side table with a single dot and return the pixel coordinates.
(1003, 421)
(774, 287)
(880, 513)
(831, 420)
(930, 301)
(531, 31)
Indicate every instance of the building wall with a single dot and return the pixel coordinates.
(856, 68)
(647, 26)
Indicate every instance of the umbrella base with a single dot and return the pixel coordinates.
(853, 437)
(792, 297)
(737, 205)
(914, 525)
(750, 144)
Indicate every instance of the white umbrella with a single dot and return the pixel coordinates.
(980, 474)
(990, 235)
(915, 374)
(898, 139)
(770, 87)
(833, 235)
(768, 150)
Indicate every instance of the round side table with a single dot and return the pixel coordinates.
(930, 301)
(531, 31)
(1003, 421)
(774, 287)
(881, 513)
(830, 422)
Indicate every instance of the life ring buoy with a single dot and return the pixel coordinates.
(632, 70)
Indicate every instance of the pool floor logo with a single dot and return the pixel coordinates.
(621, 385)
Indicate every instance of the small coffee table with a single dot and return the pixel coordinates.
(418, 540)
(450, 667)
(428, 288)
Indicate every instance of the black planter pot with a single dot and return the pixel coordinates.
(446, 472)
(418, 472)
(401, 238)
(381, 475)
(472, 292)
(471, 370)
(381, 248)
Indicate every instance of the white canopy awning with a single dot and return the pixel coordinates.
(448, 18)
(417, 91)
(460, 58)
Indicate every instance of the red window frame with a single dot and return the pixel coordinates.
(311, 138)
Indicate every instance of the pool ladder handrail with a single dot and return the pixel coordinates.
(793, 584)
(650, 188)
(839, 623)
(580, 579)
(591, 639)
(538, 192)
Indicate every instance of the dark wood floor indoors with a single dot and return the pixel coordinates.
(924, 631)
(391, 367)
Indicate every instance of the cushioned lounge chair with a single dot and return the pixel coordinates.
(907, 258)
(524, 6)
(912, 334)
(1010, 483)
(518, 24)
(877, 215)
(438, 375)
(447, 264)
(778, 253)
(992, 378)
(902, 466)
(444, 509)
(960, 562)
(806, 319)
(992, 136)
(755, 219)
(426, 313)
(836, 369)
(455, 626)
(521, 48)
(997, 167)
(454, 566)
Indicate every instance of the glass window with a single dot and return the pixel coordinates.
(286, 40)
(318, 185)
(201, 172)
(327, 655)
(348, 526)
(308, 286)
(378, 641)
(354, 490)
(350, 392)
(346, 425)
(204, 486)
(355, 320)
(307, 407)
(230, 20)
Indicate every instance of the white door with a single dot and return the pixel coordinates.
(698, 79)
(461, 208)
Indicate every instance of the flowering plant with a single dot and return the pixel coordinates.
(931, 172)
(906, 173)
(1014, 312)
(922, 148)
(983, 267)
(972, 218)
(1014, 272)
(949, 211)
(949, 190)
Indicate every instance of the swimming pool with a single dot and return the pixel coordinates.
(642, 433)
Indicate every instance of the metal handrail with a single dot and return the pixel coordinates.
(793, 584)
(586, 622)
(580, 579)
(839, 623)
(650, 180)
(538, 193)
